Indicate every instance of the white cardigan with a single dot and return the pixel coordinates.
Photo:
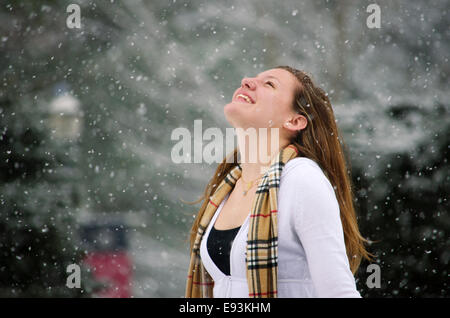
(312, 260)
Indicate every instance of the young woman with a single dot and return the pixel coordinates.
(284, 227)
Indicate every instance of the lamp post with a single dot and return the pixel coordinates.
(65, 120)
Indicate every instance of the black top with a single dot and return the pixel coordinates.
(219, 247)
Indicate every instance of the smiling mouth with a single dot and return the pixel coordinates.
(246, 99)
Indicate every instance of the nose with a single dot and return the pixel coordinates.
(248, 82)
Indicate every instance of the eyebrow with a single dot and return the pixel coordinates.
(271, 76)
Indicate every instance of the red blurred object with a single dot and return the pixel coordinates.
(115, 269)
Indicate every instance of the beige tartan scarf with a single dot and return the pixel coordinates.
(262, 241)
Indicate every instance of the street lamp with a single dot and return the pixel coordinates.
(64, 118)
(64, 121)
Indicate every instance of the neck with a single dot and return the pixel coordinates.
(257, 156)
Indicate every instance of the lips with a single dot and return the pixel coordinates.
(241, 98)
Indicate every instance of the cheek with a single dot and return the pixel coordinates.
(270, 105)
(276, 110)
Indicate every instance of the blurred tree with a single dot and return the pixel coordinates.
(406, 213)
(38, 198)
(40, 179)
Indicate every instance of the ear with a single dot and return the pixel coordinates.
(296, 123)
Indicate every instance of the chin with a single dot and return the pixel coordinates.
(238, 115)
(233, 113)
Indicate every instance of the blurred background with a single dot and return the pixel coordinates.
(86, 116)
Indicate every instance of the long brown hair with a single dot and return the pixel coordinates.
(320, 141)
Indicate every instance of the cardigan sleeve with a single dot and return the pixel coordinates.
(318, 225)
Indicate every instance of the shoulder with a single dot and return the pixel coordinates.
(297, 162)
(302, 166)
(302, 172)
(308, 193)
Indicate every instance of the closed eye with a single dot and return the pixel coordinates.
(270, 83)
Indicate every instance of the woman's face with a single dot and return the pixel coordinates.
(271, 95)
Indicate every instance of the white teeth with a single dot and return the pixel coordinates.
(246, 98)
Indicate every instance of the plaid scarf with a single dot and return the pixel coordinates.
(262, 240)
